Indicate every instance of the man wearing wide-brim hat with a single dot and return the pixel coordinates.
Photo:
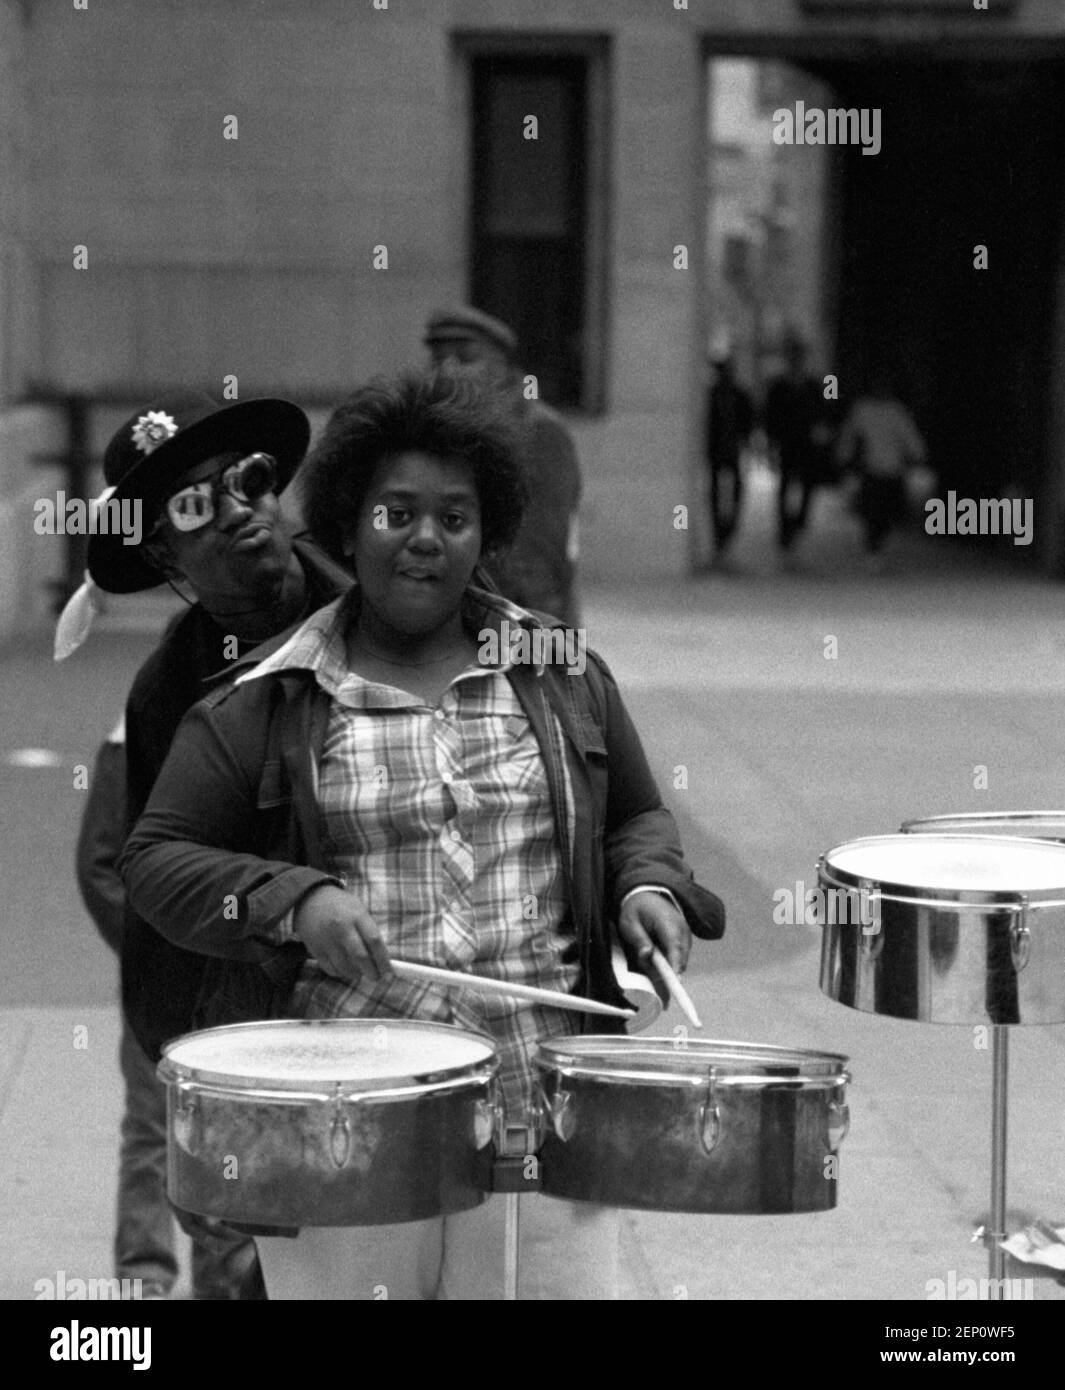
(205, 479)
(539, 570)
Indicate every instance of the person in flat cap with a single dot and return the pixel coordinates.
(539, 570)
(205, 479)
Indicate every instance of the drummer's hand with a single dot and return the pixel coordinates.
(650, 919)
(340, 934)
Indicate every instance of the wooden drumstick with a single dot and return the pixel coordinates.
(680, 995)
(482, 984)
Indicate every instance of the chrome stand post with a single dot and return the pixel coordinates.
(512, 1176)
(1000, 1053)
(511, 1245)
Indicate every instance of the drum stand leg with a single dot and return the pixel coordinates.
(511, 1177)
(511, 1245)
(1000, 1052)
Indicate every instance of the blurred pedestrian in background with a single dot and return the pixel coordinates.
(801, 425)
(881, 444)
(730, 420)
(539, 572)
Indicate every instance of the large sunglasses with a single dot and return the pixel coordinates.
(195, 506)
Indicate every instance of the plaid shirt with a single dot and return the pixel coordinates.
(441, 819)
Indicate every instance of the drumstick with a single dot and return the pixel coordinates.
(681, 997)
(459, 979)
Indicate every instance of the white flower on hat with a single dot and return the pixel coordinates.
(153, 429)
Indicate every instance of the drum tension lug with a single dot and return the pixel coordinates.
(1020, 936)
(710, 1130)
(485, 1122)
(339, 1132)
(185, 1129)
(710, 1116)
(839, 1123)
(561, 1113)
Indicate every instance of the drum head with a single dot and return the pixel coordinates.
(1032, 825)
(312, 1054)
(682, 1060)
(952, 868)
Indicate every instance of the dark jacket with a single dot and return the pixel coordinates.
(730, 420)
(161, 982)
(537, 571)
(100, 840)
(228, 843)
(796, 415)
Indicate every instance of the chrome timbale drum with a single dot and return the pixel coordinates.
(1029, 825)
(338, 1122)
(946, 928)
(686, 1125)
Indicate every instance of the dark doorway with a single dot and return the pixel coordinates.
(971, 155)
(529, 213)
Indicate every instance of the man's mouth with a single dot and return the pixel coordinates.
(251, 537)
(422, 575)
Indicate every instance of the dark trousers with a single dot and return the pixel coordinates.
(144, 1233)
(224, 1263)
(726, 500)
(882, 504)
(793, 501)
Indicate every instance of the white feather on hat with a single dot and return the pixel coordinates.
(80, 610)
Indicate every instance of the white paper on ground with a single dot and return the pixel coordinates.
(1038, 1245)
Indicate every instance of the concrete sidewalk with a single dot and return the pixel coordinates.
(944, 665)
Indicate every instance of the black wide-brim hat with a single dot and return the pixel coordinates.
(149, 455)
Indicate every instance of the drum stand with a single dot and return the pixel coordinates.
(1000, 1053)
(511, 1176)
(511, 1245)
(1002, 1000)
